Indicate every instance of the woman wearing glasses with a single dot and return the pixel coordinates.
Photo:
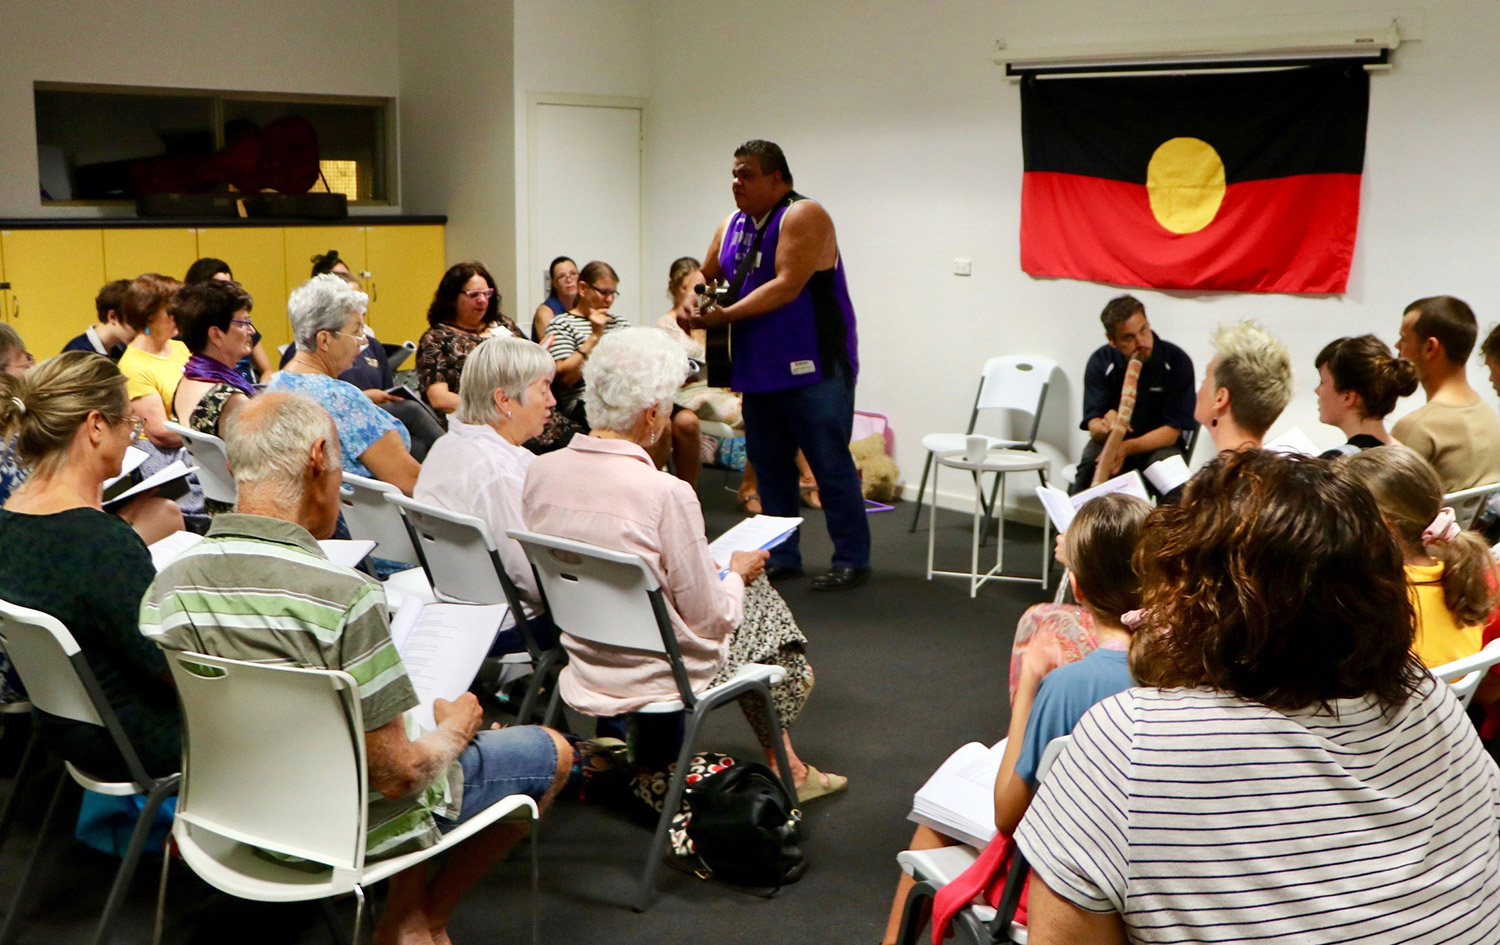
(328, 323)
(576, 332)
(213, 320)
(72, 421)
(465, 310)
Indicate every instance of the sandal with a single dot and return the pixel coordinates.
(810, 497)
(749, 503)
(819, 785)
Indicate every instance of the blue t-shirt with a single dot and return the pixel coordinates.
(1065, 695)
(360, 423)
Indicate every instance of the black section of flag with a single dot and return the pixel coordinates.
(1262, 124)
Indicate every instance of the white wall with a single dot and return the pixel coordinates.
(894, 117)
(573, 47)
(338, 47)
(457, 127)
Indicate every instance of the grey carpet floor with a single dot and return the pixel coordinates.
(907, 671)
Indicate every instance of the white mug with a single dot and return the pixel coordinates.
(976, 448)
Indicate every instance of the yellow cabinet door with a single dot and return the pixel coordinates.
(406, 263)
(257, 256)
(54, 276)
(130, 252)
(305, 242)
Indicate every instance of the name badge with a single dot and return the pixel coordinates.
(756, 264)
(802, 367)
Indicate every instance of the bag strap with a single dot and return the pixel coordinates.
(741, 271)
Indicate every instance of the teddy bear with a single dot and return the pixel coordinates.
(877, 472)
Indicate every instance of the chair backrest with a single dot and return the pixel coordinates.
(1465, 674)
(397, 355)
(211, 460)
(604, 596)
(1468, 503)
(273, 756)
(1014, 382)
(456, 551)
(57, 678)
(368, 515)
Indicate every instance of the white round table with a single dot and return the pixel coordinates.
(999, 462)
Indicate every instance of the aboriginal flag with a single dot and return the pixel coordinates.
(1244, 181)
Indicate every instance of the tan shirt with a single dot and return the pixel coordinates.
(608, 493)
(1461, 442)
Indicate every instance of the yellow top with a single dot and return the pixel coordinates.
(1439, 639)
(147, 373)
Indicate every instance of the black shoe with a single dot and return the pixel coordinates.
(775, 572)
(838, 579)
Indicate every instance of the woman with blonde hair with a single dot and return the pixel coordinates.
(72, 420)
(1246, 386)
(1448, 570)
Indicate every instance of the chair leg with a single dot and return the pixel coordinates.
(161, 892)
(990, 511)
(916, 914)
(359, 911)
(28, 873)
(917, 515)
(554, 708)
(669, 807)
(154, 800)
(544, 674)
(22, 773)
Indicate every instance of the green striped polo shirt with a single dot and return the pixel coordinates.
(260, 589)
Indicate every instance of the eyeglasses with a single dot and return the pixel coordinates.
(137, 426)
(245, 322)
(476, 294)
(607, 293)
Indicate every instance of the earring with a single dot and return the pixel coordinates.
(508, 414)
(1214, 422)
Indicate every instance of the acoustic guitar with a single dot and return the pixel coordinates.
(717, 357)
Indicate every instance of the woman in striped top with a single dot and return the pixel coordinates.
(1295, 775)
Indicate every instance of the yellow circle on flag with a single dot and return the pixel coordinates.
(1185, 184)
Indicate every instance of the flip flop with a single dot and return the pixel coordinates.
(810, 496)
(743, 503)
(814, 787)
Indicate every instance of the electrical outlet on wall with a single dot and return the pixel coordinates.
(963, 267)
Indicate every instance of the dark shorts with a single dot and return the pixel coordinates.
(499, 763)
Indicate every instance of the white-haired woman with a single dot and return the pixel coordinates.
(479, 466)
(604, 489)
(328, 324)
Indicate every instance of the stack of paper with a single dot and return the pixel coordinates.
(442, 647)
(757, 533)
(1061, 507)
(1293, 442)
(959, 799)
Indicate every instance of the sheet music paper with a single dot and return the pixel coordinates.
(756, 533)
(442, 647)
(959, 798)
(348, 552)
(1053, 498)
(1293, 442)
(175, 470)
(168, 549)
(132, 461)
(1168, 474)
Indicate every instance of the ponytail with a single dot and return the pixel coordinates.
(43, 408)
(1467, 569)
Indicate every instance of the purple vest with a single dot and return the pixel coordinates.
(804, 341)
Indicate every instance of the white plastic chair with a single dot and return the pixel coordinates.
(613, 599)
(933, 869)
(397, 355)
(59, 681)
(368, 515)
(462, 563)
(1465, 674)
(1015, 383)
(274, 758)
(1468, 503)
(211, 461)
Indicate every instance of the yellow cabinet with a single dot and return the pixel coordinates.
(54, 276)
(405, 263)
(305, 242)
(257, 255)
(130, 252)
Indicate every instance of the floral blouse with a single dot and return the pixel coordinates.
(444, 348)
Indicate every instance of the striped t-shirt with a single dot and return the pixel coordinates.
(569, 332)
(260, 589)
(1202, 817)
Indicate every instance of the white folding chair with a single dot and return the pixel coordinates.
(59, 681)
(1468, 503)
(463, 565)
(368, 515)
(933, 869)
(613, 599)
(274, 759)
(397, 355)
(211, 460)
(1465, 674)
(1014, 383)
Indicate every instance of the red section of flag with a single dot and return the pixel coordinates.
(1282, 234)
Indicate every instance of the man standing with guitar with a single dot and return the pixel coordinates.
(795, 354)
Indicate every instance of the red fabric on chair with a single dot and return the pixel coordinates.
(985, 877)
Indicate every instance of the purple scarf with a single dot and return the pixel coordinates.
(201, 368)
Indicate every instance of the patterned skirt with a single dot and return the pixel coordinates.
(769, 634)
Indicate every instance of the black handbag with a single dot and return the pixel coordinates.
(745, 828)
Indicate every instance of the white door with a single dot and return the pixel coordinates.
(585, 199)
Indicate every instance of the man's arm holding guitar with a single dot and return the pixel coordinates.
(806, 245)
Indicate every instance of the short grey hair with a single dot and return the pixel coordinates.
(268, 441)
(1253, 365)
(322, 303)
(631, 370)
(503, 362)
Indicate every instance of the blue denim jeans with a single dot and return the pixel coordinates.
(502, 762)
(817, 419)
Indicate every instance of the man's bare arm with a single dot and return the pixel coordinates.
(1052, 920)
(399, 766)
(806, 244)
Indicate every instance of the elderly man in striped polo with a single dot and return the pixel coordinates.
(264, 560)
